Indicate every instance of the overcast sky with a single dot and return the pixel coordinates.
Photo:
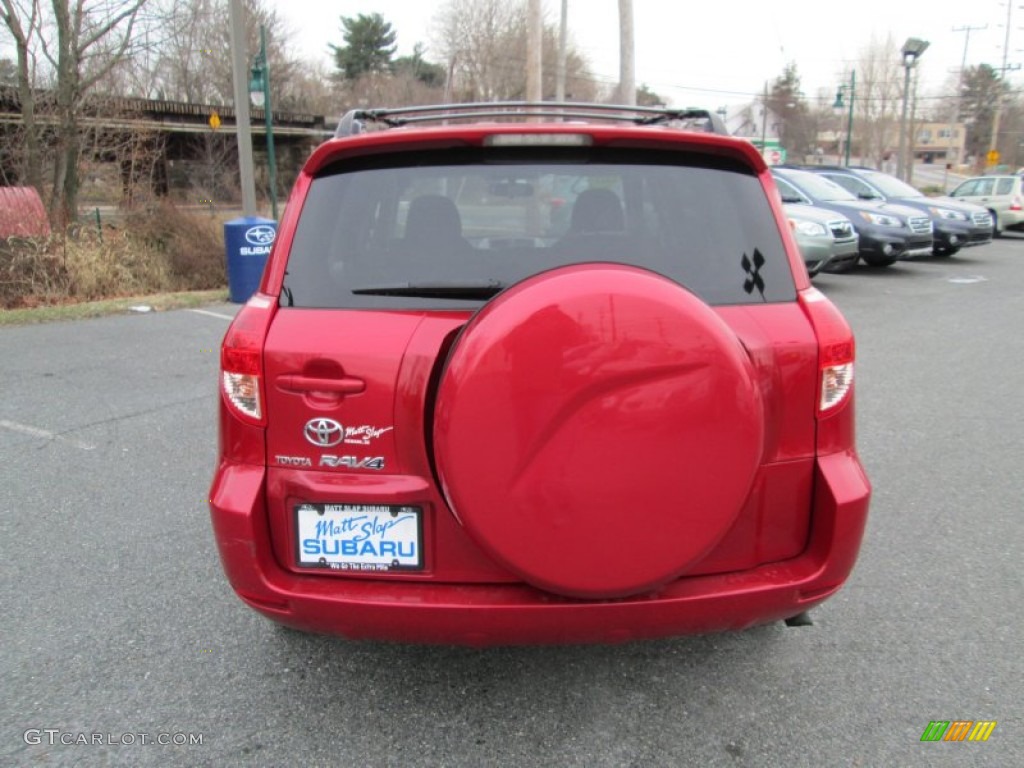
(707, 53)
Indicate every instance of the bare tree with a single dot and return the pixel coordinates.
(381, 90)
(184, 53)
(121, 147)
(878, 100)
(312, 91)
(172, 49)
(474, 39)
(183, 60)
(80, 42)
(484, 45)
(24, 20)
(91, 38)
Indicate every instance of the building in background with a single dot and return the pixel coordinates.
(761, 125)
(940, 143)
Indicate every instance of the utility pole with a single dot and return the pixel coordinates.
(994, 141)
(627, 57)
(955, 118)
(912, 50)
(764, 120)
(240, 75)
(563, 33)
(449, 83)
(913, 129)
(261, 81)
(534, 36)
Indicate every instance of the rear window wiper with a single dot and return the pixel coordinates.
(472, 289)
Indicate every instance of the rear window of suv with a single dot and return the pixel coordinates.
(448, 229)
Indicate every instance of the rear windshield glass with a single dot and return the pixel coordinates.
(449, 229)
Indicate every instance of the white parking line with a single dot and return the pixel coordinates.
(212, 314)
(14, 426)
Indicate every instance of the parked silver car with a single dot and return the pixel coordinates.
(826, 238)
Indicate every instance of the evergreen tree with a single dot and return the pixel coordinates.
(980, 92)
(416, 66)
(645, 97)
(8, 72)
(369, 46)
(787, 102)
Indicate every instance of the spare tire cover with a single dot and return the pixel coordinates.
(597, 429)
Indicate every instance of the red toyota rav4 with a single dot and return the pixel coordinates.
(554, 374)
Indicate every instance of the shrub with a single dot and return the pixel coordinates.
(192, 246)
(161, 249)
(30, 273)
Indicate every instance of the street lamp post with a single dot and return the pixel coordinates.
(912, 50)
(852, 88)
(259, 90)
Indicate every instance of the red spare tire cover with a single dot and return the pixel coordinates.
(597, 429)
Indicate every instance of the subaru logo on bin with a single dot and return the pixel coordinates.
(249, 241)
(261, 234)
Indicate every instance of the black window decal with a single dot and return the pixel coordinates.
(754, 271)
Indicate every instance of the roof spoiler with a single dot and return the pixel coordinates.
(355, 121)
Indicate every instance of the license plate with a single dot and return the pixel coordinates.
(358, 537)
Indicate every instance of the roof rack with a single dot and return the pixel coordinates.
(354, 121)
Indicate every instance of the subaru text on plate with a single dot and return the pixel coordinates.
(458, 411)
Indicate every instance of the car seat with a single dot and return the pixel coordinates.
(434, 224)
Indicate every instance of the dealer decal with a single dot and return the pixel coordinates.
(364, 434)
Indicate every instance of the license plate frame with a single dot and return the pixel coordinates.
(358, 538)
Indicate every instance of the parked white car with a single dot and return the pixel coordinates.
(1003, 195)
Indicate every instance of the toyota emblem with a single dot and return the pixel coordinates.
(324, 432)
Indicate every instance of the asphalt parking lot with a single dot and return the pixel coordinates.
(118, 621)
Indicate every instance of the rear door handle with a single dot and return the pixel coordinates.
(346, 385)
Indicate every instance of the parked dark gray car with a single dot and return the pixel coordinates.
(957, 224)
(887, 231)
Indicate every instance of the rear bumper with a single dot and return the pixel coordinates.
(1011, 219)
(512, 614)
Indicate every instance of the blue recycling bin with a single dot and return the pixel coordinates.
(248, 242)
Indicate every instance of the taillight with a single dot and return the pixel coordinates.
(241, 361)
(243, 392)
(836, 374)
(1015, 205)
(835, 352)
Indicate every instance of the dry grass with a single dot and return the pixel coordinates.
(159, 250)
(156, 302)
